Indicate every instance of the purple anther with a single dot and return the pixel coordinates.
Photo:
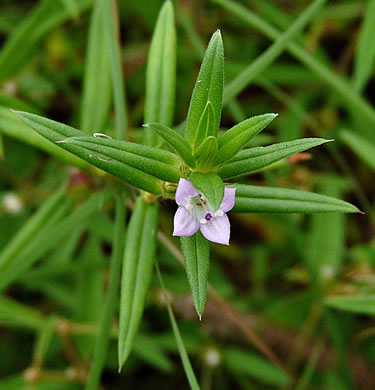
(208, 217)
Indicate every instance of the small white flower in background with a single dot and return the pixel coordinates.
(11, 203)
(194, 212)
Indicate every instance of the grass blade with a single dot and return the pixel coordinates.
(325, 244)
(97, 88)
(102, 340)
(365, 57)
(350, 99)
(360, 304)
(161, 73)
(180, 343)
(110, 23)
(268, 56)
(31, 228)
(364, 149)
(139, 256)
(47, 15)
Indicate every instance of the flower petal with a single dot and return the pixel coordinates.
(229, 199)
(218, 230)
(185, 190)
(184, 224)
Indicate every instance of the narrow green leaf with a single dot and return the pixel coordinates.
(254, 366)
(161, 73)
(325, 246)
(253, 159)
(365, 57)
(43, 342)
(89, 293)
(167, 171)
(102, 340)
(268, 56)
(364, 149)
(206, 154)
(139, 256)
(97, 88)
(350, 99)
(257, 199)
(179, 341)
(361, 304)
(234, 139)
(52, 234)
(12, 126)
(31, 228)
(110, 31)
(211, 186)
(208, 88)
(19, 313)
(206, 126)
(55, 131)
(47, 15)
(176, 141)
(196, 251)
(151, 352)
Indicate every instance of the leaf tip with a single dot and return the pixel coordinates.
(119, 369)
(145, 125)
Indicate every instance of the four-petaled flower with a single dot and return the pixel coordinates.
(194, 212)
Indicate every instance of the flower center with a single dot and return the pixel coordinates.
(208, 217)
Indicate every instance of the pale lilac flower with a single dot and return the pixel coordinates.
(194, 212)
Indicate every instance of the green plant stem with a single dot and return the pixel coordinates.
(180, 344)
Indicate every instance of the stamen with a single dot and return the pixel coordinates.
(208, 216)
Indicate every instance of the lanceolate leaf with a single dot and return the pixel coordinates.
(114, 150)
(253, 159)
(55, 131)
(364, 149)
(234, 139)
(209, 87)
(176, 141)
(196, 251)
(12, 126)
(161, 73)
(139, 255)
(211, 186)
(258, 199)
(361, 304)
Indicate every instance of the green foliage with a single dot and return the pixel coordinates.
(204, 114)
(196, 251)
(137, 266)
(257, 199)
(161, 73)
